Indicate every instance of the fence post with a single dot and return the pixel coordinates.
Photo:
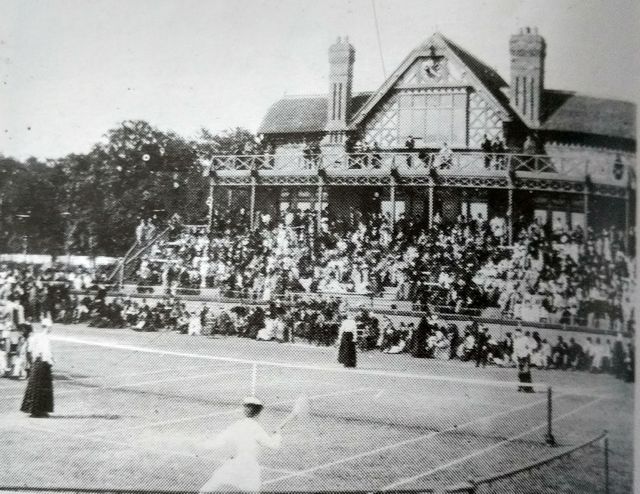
(252, 201)
(210, 207)
(606, 462)
(549, 437)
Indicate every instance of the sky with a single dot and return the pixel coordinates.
(72, 69)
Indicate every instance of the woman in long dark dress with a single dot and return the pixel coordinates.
(347, 351)
(38, 397)
(419, 339)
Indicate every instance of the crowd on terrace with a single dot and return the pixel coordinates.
(549, 274)
(316, 320)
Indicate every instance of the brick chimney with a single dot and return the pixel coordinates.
(341, 59)
(527, 75)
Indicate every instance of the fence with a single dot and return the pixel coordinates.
(590, 473)
(461, 162)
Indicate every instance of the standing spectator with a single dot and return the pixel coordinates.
(522, 353)
(529, 146)
(617, 358)
(499, 150)
(482, 347)
(560, 352)
(195, 324)
(445, 157)
(419, 339)
(38, 397)
(486, 149)
(347, 350)
(409, 145)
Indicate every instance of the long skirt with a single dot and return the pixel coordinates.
(235, 475)
(38, 397)
(347, 351)
(524, 374)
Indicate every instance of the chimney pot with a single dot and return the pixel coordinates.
(527, 51)
(341, 60)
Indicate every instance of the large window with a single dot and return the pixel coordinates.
(434, 118)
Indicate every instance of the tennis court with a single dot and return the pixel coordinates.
(136, 411)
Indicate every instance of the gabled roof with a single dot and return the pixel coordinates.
(490, 79)
(486, 80)
(565, 111)
(302, 114)
(572, 115)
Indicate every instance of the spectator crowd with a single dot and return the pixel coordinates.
(549, 273)
(30, 294)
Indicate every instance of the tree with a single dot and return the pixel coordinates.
(230, 141)
(91, 203)
(26, 198)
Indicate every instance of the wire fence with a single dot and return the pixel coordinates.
(581, 468)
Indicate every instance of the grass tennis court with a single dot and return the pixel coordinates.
(135, 411)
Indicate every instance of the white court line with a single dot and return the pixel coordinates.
(227, 412)
(487, 449)
(115, 388)
(299, 365)
(143, 448)
(402, 443)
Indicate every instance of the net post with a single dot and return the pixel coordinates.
(606, 462)
(549, 439)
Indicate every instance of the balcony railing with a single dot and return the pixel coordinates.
(613, 168)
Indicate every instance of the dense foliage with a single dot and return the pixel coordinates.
(90, 203)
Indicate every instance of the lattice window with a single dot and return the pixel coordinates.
(483, 119)
(382, 128)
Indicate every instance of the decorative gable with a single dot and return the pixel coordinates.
(439, 94)
(433, 71)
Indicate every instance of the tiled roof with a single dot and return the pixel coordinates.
(488, 76)
(562, 112)
(569, 112)
(302, 114)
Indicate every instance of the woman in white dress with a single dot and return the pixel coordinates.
(441, 346)
(269, 331)
(241, 473)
